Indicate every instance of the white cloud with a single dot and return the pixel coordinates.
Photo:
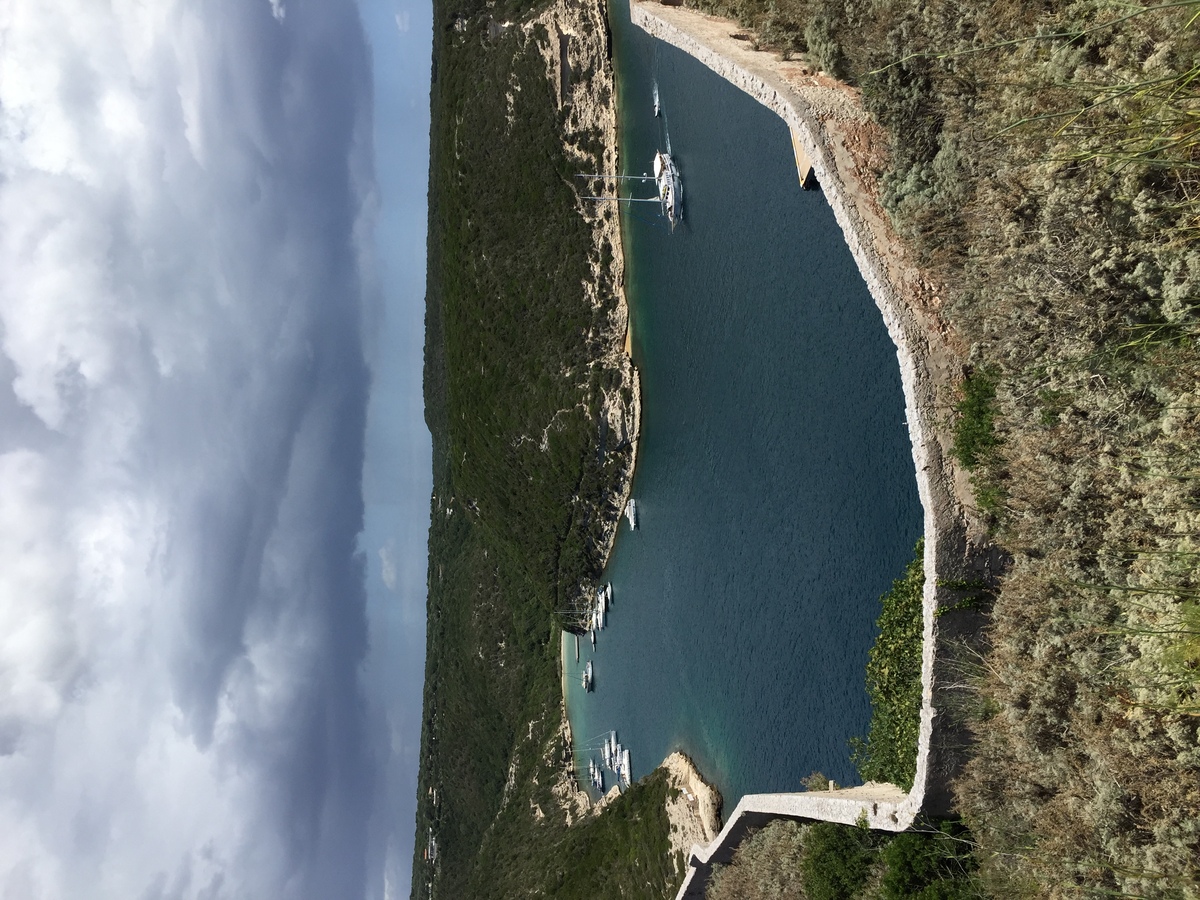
(179, 298)
(387, 565)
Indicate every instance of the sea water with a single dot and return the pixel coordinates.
(775, 485)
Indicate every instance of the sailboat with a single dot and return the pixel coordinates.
(670, 186)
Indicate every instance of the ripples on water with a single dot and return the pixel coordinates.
(775, 476)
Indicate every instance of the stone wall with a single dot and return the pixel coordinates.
(822, 117)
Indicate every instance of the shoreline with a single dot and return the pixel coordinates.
(578, 31)
(832, 133)
(830, 137)
(581, 30)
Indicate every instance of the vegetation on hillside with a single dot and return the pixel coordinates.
(792, 860)
(621, 853)
(1044, 166)
(514, 379)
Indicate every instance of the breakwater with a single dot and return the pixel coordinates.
(830, 131)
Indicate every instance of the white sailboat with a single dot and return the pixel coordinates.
(667, 182)
(670, 186)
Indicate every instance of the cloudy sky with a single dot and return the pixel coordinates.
(214, 476)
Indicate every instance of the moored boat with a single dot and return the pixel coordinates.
(670, 186)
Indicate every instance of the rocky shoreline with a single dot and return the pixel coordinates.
(695, 811)
(579, 70)
(579, 31)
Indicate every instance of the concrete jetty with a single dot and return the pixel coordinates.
(826, 121)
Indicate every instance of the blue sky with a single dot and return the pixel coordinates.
(397, 477)
(214, 473)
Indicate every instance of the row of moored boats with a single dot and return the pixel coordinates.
(613, 758)
(596, 620)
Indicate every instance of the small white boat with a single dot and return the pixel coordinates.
(593, 634)
(608, 595)
(656, 100)
(631, 514)
(626, 773)
(587, 677)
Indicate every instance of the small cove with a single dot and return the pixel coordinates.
(775, 478)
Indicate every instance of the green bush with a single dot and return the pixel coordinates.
(889, 752)
(823, 46)
(925, 866)
(975, 427)
(837, 861)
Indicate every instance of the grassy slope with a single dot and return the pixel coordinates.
(1044, 165)
(789, 860)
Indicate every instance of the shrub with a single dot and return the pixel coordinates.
(931, 867)
(837, 861)
(765, 867)
(889, 752)
(974, 430)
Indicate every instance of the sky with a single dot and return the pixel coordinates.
(214, 472)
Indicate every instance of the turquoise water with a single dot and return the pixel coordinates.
(775, 480)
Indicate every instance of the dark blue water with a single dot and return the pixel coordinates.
(774, 478)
